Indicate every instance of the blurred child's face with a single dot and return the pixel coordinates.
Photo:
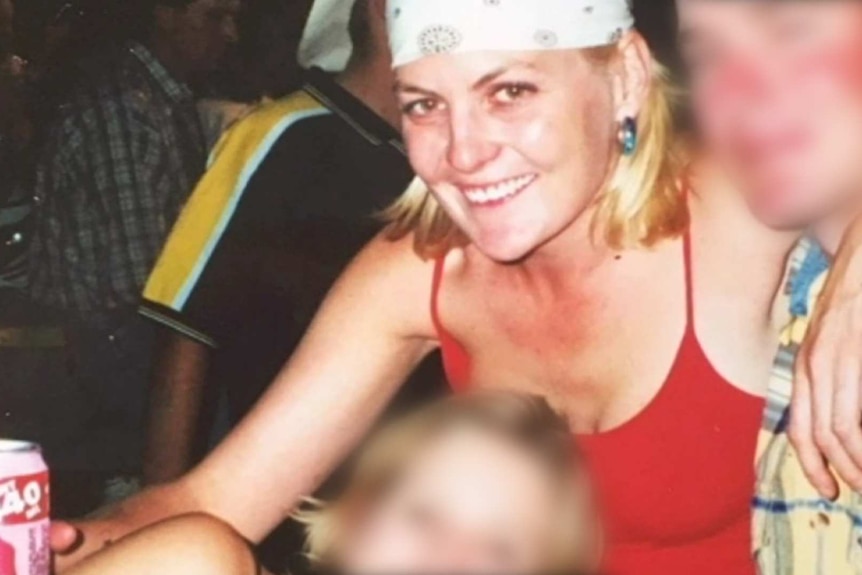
(469, 503)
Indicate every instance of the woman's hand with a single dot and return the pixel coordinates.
(826, 413)
(65, 538)
(71, 542)
(74, 541)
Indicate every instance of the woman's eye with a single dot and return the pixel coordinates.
(511, 93)
(420, 108)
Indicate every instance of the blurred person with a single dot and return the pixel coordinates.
(31, 345)
(291, 195)
(125, 151)
(777, 91)
(486, 484)
(16, 135)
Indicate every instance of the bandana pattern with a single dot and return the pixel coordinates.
(421, 28)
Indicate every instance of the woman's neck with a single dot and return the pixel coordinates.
(579, 248)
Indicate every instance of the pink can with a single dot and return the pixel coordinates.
(25, 510)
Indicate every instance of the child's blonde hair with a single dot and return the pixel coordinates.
(526, 422)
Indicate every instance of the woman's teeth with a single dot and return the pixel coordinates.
(498, 192)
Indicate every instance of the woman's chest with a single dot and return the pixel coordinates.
(682, 473)
(598, 354)
(603, 349)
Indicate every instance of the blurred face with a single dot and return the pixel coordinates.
(470, 503)
(777, 92)
(514, 145)
(203, 30)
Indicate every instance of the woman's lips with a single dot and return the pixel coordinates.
(499, 192)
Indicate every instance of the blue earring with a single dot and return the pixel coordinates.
(628, 136)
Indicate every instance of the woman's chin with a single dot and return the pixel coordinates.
(508, 240)
(505, 252)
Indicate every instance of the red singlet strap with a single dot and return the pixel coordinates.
(435, 294)
(689, 277)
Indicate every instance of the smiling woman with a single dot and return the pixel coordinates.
(640, 205)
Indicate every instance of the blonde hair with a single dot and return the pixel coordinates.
(527, 422)
(643, 203)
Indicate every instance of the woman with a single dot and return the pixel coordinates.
(481, 484)
(553, 252)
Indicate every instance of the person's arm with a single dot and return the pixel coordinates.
(176, 396)
(189, 545)
(371, 332)
(826, 414)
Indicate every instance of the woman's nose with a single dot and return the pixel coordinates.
(470, 145)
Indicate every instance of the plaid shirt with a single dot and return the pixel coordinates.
(121, 161)
(796, 532)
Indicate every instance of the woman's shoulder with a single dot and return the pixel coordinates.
(397, 278)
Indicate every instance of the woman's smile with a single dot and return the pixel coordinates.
(497, 193)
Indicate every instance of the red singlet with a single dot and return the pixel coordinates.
(676, 481)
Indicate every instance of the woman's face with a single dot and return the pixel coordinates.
(514, 145)
(469, 503)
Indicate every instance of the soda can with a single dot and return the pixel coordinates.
(25, 510)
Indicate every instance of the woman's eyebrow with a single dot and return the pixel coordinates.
(489, 78)
(495, 74)
(401, 87)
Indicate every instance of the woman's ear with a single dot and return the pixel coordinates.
(633, 77)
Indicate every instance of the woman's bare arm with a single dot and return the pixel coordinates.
(188, 545)
(371, 332)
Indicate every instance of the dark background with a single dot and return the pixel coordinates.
(263, 62)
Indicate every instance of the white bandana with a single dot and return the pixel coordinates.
(419, 28)
(326, 40)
